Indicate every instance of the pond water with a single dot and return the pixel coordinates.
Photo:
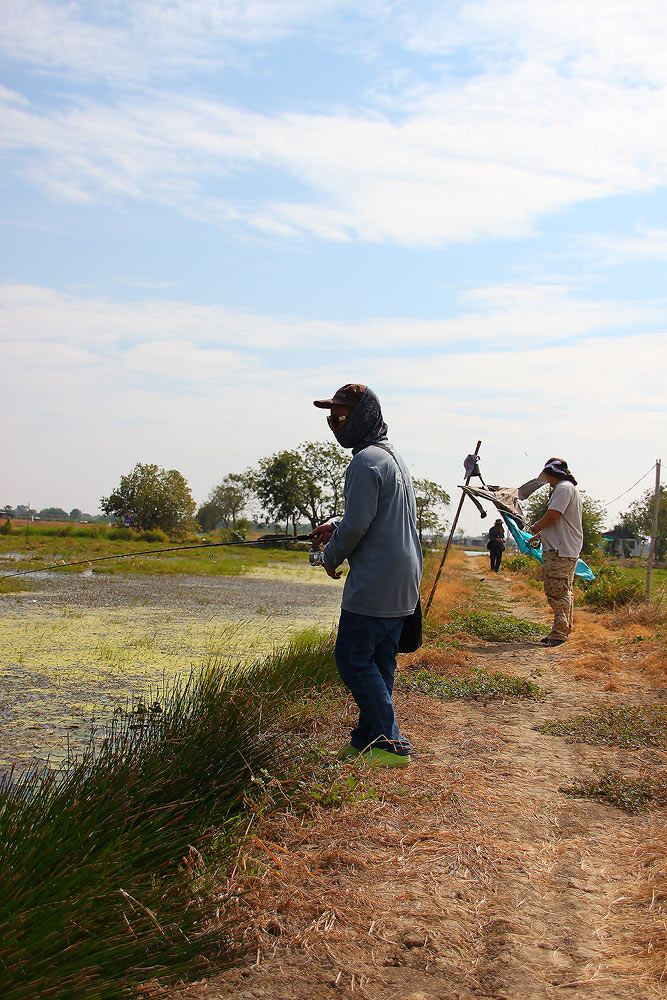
(81, 647)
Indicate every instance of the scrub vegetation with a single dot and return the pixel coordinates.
(492, 626)
(614, 725)
(632, 793)
(479, 683)
(614, 586)
(611, 588)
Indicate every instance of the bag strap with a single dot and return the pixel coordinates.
(405, 488)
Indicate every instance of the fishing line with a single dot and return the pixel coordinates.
(155, 552)
(608, 502)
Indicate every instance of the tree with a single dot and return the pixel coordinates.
(53, 514)
(75, 514)
(323, 480)
(229, 498)
(154, 498)
(208, 516)
(430, 497)
(277, 483)
(592, 517)
(307, 482)
(638, 520)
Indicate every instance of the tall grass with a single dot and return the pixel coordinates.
(612, 588)
(105, 863)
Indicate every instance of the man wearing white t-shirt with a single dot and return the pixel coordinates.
(562, 536)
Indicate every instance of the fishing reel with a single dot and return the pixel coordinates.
(316, 557)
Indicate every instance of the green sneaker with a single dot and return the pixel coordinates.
(384, 758)
(347, 752)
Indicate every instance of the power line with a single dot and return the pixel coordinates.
(608, 503)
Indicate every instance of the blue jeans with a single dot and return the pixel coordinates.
(366, 659)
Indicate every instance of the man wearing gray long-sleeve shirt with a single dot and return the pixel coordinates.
(378, 536)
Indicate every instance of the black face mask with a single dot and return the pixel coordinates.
(364, 425)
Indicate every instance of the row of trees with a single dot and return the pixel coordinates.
(23, 512)
(306, 484)
(303, 484)
(290, 487)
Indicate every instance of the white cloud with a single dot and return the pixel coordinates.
(570, 107)
(195, 388)
(646, 244)
(485, 158)
(187, 364)
(139, 39)
(516, 314)
(602, 38)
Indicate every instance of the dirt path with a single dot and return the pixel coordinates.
(471, 876)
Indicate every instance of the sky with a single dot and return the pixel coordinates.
(216, 211)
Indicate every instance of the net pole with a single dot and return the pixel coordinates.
(449, 540)
(654, 533)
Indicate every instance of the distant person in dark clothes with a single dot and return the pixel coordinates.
(378, 536)
(496, 544)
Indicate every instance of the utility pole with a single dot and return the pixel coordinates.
(654, 533)
(449, 540)
(27, 524)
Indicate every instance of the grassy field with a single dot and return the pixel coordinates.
(44, 547)
(658, 578)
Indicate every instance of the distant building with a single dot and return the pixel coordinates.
(623, 546)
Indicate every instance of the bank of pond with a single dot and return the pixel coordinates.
(110, 862)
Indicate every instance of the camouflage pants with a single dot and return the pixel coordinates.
(558, 579)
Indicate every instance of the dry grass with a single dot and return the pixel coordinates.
(639, 918)
(650, 615)
(417, 851)
(453, 589)
(304, 882)
(448, 869)
(451, 661)
(615, 650)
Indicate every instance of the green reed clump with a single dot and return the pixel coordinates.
(493, 626)
(632, 794)
(104, 863)
(476, 684)
(614, 725)
(154, 535)
(65, 529)
(612, 588)
(10, 586)
(516, 564)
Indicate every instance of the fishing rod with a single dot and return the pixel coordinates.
(154, 552)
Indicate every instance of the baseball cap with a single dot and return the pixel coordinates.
(347, 395)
